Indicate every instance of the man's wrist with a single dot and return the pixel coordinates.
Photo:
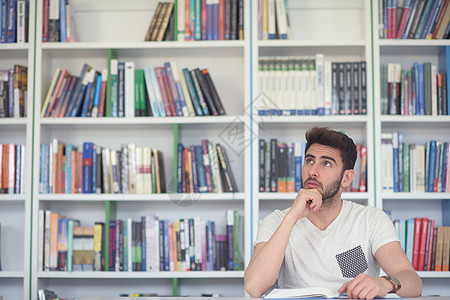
(396, 285)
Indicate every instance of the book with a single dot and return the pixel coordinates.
(312, 292)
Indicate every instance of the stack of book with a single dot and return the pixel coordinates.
(11, 168)
(426, 246)
(311, 86)
(90, 168)
(273, 21)
(413, 167)
(414, 19)
(14, 20)
(420, 90)
(151, 91)
(188, 20)
(149, 245)
(204, 168)
(13, 92)
(280, 167)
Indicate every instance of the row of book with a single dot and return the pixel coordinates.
(11, 168)
(13, 91)
(149, 245)
(151, 91)
(273, 21)
(420, 90)
(413, 167)
(311, 86)
(280, 167)
(414, 19)
(190, 20)
(204, 168)
(57, 22)
(90, 168)
(425, 245)
(14, 19)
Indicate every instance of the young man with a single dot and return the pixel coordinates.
(322, 240)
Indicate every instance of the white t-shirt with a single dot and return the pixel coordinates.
(335, 255)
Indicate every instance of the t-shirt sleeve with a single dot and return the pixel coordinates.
(382, 230)
(267, 227)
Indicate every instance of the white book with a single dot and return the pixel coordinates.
(20, 21)
(147, 169)
(306, 100)
(420, 168)
(129, 89)
(300, 84)
(313, 87)
(412, 168)
(150, 242)
(215, 171)
(198, 240)
(320, 84)
(302, 293)
(132, 168)
(139, 171)
(285, 87)
(327, 86)
(387, 162)
(106, 171)
(187, 96)
(271, 19)
(434, 97)
(293, 84)
(41, 240)
(115, 188)
(157, 92)
(130, 244)
(278, 87)
(48, 214)
(180, 19)
(281, 19)
(151, 93)
(156, 245)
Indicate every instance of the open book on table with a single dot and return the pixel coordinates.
(312, 292)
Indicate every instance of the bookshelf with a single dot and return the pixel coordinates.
(101, 35)
(341, 32)
(15, 209)
(417, 129)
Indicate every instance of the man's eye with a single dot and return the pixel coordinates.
(327, 163)
(309, 161)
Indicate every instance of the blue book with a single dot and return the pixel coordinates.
(431, 166)
(62, 21)
(77, 90)
(166, 246)
(180, 164)
(98, 88)
(79, 98)
(87, 94)
(68, 177)
(201, 174)
(422, 91)
(444, 168)
(215, 20)
(94, 169)
(4, 7)
(176, 78)
(18, 175)
(143, 245)
(198, 23)
(125, 246)
(447, 67)
(209, 21)
(446, 213)
(43, 182)
(402, 233)
(410, 238)
(193, 92)
(87, 167)
(11, 22)
(298, 165)
(435, 9)
(211, 245)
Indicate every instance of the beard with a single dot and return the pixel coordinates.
(329, 192)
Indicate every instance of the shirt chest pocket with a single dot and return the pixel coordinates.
(352, 262)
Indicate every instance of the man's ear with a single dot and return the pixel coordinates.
(347, 178)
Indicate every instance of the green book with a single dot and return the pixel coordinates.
(71, 224)
(236, 240)
(406, 168)
(114, 101)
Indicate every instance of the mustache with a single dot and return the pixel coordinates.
(312, 179)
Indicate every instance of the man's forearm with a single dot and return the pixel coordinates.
(411, 284)
(265, 264)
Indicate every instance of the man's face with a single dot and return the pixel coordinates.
(323, 170)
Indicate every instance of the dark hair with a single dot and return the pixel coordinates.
(328, 137)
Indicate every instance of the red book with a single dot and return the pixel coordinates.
(101, 103)
(430, 245)
(423, 244)
(416, 243)
(203, 16)
(164, 89)
(403, 21)
(45, 20)
(168, 93)
(221, 20)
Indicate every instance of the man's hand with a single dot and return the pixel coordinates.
(366, 287)
(306, 200)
